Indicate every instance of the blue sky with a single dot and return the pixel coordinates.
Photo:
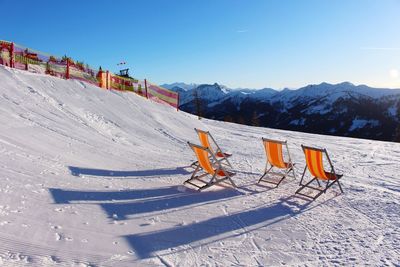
(239, 43)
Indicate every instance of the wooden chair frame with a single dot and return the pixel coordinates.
(270, 164)
(329, 181)
(218, 173)
(218, 154)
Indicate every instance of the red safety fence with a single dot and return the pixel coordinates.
(160, 94)
(79, 71)
(6, 50)
(23, 58)
(39, 62)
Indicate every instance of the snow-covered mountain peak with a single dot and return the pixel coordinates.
(331, 92)
(210, 91)
(180, 86)
(214, 94)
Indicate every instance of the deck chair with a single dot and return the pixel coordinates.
(204, 137)
(208, 168)
(314, 164)
(274, 153)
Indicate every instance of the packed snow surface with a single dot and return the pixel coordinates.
(91, 177)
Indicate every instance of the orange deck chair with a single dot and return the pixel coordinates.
(274, 153)
(209, 166)
(315, 165)
(205, 137)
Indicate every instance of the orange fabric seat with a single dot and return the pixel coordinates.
(274, 154)
(204, 161)
(203, 136)
(316, 166)
(331, 176)
(222, 173)
(221, 155)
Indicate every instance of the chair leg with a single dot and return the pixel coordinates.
(230, 179)
(327, 186)
(224, 161)
(212, 179)
(212, 183)
(305, 185)
(280, 181)
(265, 173)
(294, 173)
(230, 165)
(320, 192)
(196, 178)
(302, 177)
(194, 164)
(341, 190)
(340, 186)
(195, 171)
(284, 175)
(193, 176)
(317, 195)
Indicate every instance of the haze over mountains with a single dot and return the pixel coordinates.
(342, 109)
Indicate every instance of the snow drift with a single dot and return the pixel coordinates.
(91, 177)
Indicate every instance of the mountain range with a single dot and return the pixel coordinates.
(342, 109)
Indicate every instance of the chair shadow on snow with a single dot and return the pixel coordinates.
(62, 196)
(77, 171)
(166, 203)
(139, 201)
(147, 244)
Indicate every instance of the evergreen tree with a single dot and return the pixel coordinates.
(228, 118)
(396, 136)
(254, 120)
(241, 120)
(65, 58)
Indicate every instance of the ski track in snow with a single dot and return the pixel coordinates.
(94, 178)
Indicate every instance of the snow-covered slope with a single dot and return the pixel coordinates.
(94, 178)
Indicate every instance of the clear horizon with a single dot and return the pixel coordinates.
(237, 43)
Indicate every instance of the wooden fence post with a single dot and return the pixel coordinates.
(177, 104)
(145, 88)
(67, 71)
(12, 56)
(25, 58)
(107, 79)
